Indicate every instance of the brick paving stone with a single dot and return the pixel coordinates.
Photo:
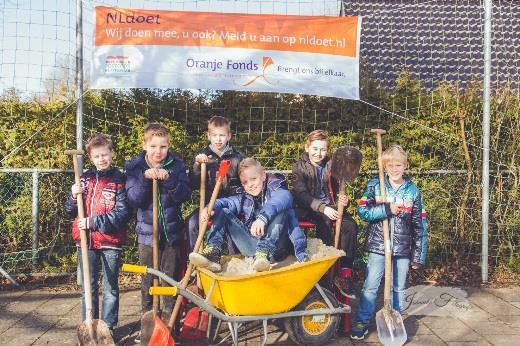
(430, 340)
(513, 321)
(481, 342)
(6, 323)
(494, 306)
(458, 334)
(445, 322)
(475, 314)
(502, 340)
(9, 296)
(58, 336)
(58, 305)
(21, 336)
(507, 294)
(416, 327)
(517, 304)
(37, 321)
(488, 328)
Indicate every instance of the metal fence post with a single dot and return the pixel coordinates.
(35, 215)
(79, 79)
(79, 91)
(486, 116)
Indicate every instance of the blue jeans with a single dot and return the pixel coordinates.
(274, 242)
(193, 232)
(374, 272)
(109, 258)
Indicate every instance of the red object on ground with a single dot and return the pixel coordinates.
(195, 325)
(161, 334)
(342, 296)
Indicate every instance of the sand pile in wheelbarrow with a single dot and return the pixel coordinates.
(315, 249)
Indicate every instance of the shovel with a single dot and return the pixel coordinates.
(151, 323)
(390, 326)
(91, 331)
(222, 170)
(345, 165)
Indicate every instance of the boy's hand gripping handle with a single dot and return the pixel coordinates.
(222, 171)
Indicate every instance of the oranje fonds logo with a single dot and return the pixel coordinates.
(233, 65)
(266, 62)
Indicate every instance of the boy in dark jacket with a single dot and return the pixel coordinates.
(156, 162)
(106, 218)
(408, 235)
(219, 149)
(260, 221)
(314, 192)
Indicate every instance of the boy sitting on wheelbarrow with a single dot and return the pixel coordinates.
(260, 221)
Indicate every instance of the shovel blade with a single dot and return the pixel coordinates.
(147, 326)
(161, 334)
(390, 327)
(94, 333)
(195, 325)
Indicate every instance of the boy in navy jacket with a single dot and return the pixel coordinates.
(156, 162)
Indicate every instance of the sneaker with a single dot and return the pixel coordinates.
(209, 258)
(359, 331)
(137, 339)
(345, 287)
(261, 263)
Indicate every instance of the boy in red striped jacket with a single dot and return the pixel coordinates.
(106, 217)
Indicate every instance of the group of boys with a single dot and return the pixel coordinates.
(255, 213)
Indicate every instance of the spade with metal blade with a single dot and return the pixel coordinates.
(390, 326)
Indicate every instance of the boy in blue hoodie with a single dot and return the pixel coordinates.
(408, 235)
(260, 221)
(156, 162)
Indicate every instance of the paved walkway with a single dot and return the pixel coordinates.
(436, 316)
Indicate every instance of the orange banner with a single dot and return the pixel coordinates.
(324, 35)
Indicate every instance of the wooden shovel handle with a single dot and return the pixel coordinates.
(341, 207)
(202, 190)
(155, 244)
(83, 236)
(386, 228)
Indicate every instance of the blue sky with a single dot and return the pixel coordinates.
(37, 37)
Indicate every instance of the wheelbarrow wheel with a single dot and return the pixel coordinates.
(317, 329)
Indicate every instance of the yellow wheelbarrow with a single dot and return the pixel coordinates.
(309, 312)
